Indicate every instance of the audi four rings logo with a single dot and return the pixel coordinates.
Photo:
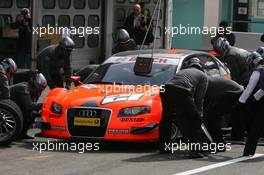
(87, 113)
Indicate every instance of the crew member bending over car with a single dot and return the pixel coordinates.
(236, 59)
(184, 95)
(54, 58)
(253, 95)
(221, 97)
(7, 68)
(25, 95)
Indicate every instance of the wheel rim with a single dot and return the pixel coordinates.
(175, 132)
(7, 125)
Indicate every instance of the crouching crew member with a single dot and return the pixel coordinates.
(54, 58)
(236, 59)
(7, 68)
(253, 95)
(25, 95)
(221, 97)
(184, 95)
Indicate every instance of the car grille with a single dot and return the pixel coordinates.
(87, 114)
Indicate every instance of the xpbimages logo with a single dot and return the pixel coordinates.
(79, 31)
(195, 30)
(207, 147)
(131, 89)
(79, 147)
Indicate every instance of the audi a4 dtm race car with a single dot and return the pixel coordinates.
(118, 101)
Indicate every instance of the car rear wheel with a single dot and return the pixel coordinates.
(11, 121)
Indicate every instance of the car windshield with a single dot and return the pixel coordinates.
(123, 73)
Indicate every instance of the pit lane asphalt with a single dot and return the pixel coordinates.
(117, 159)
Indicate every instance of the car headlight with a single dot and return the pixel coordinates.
(56, 108)
(134, 111)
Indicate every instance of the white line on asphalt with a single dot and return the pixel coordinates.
(217, 165)
(34, 157)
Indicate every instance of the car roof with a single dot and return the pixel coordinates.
(173, 53)
(171, 56)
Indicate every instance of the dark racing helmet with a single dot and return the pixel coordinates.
(196, 63)
(67, 43)
(26, 13)
(255, 58)
(261, 51)
(122, 36)
(221, 45)
(39, 81)
(9, 65)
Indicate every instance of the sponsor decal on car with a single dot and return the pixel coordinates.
(58, 128)
(79, 121)
(122, 97)
(118, 131)
(132, 119)
(54, 115)
(159, 59)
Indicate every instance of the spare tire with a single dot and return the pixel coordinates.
(11, 121)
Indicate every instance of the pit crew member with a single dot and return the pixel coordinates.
(54, 58)
(253, 94)
(184, 94)
(221, 97)
(7, 68)
(124, 42)
(25, 95)
(236, 59)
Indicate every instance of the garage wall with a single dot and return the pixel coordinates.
(188, 12)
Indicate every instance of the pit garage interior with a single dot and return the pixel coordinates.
(108, 15)
(245, 17)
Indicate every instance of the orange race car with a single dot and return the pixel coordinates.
(117, 102)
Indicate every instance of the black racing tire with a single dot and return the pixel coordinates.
(11, 121)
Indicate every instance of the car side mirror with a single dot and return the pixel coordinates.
(75, 79)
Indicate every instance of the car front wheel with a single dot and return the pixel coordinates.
(11, 121)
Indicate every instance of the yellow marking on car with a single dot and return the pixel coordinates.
(80, 121)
